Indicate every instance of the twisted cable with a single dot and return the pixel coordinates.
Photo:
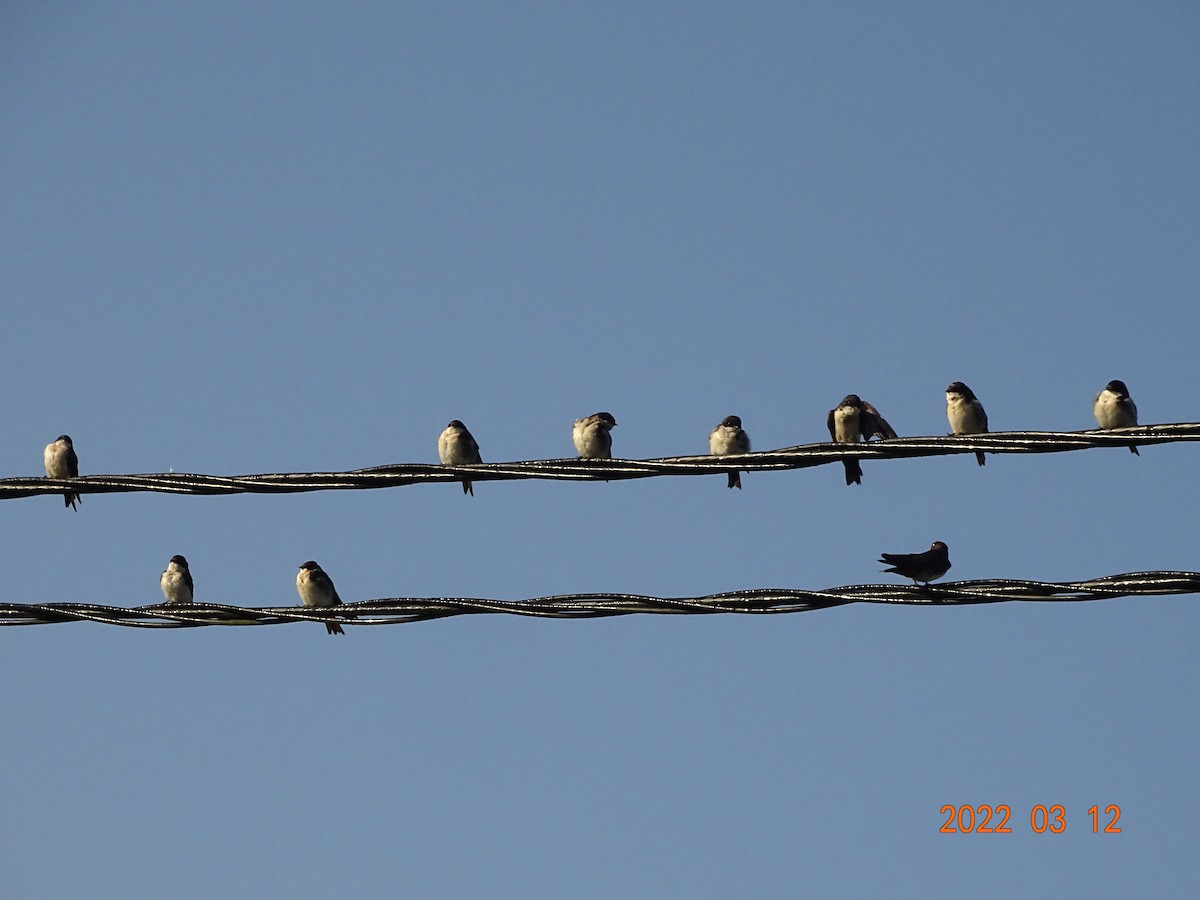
(798, 457)
(756, 601)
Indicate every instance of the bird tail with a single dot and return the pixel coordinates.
(334, 627)
(467, 489)
(1133, 450)
(853, 471)
(70, 498)
(979, 457)
(735, 479)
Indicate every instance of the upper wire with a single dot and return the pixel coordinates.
(798, 457)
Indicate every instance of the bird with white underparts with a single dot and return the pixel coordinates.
(1114, 408)
(854, 419)
(456, 447)
(965, 413)
(176, 581)
(728, 439)
(592, 436)
(316, 590)
(61, 462)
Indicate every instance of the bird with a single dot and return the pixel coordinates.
(850, 419)
(1113, 408)
(728, 439)
(920, 567)
(965, 413)
(61, 462)
(456, 447)
(176, 581)
(316, 590)
(592, 436)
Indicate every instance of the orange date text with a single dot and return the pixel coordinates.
(1043, 819)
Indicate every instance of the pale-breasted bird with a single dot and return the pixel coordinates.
(61, 462)
(316, 590)
(851, 419)
(965, 413)
(728, 439)
(1114, 408)
(176, 581)
(592, 436)
(456, 447)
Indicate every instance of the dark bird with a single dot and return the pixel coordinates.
(592, 436)
(456, 447)
(1113, 408)
(728, 439)
(854, 418)
(316, 590)
(965, 413)
(61, 462)
(176, 581)
(920, 567)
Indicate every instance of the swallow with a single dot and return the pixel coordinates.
(850, 419)
(592, 436)
(176, 581)
(316, 590)
(728, 439)
(1113, 408)
(61, 462)
(920, 567)
(456, 447)
(965, 413)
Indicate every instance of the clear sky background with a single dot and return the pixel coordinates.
(276, 237)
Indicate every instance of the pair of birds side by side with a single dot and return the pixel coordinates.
(854, 418)
(312, 584)
(591, 435)
(1112, 408)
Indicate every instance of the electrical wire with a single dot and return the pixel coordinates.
(757, 601)
(799, 457)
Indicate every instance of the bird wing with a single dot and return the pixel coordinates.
(870, 422)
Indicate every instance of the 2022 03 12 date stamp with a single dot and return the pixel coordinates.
(1043, 819)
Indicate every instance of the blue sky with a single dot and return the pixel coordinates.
(286, 237)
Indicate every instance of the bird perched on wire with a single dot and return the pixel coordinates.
(176, 581)
(854, 418)
(592, 436)
(965, 413)
(920, 567)
(1114, 408)
(316, 590)
(456, 447)
(61, 462)
(728, 439)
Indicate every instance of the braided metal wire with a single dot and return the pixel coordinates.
(799, 457)
(759, 601)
